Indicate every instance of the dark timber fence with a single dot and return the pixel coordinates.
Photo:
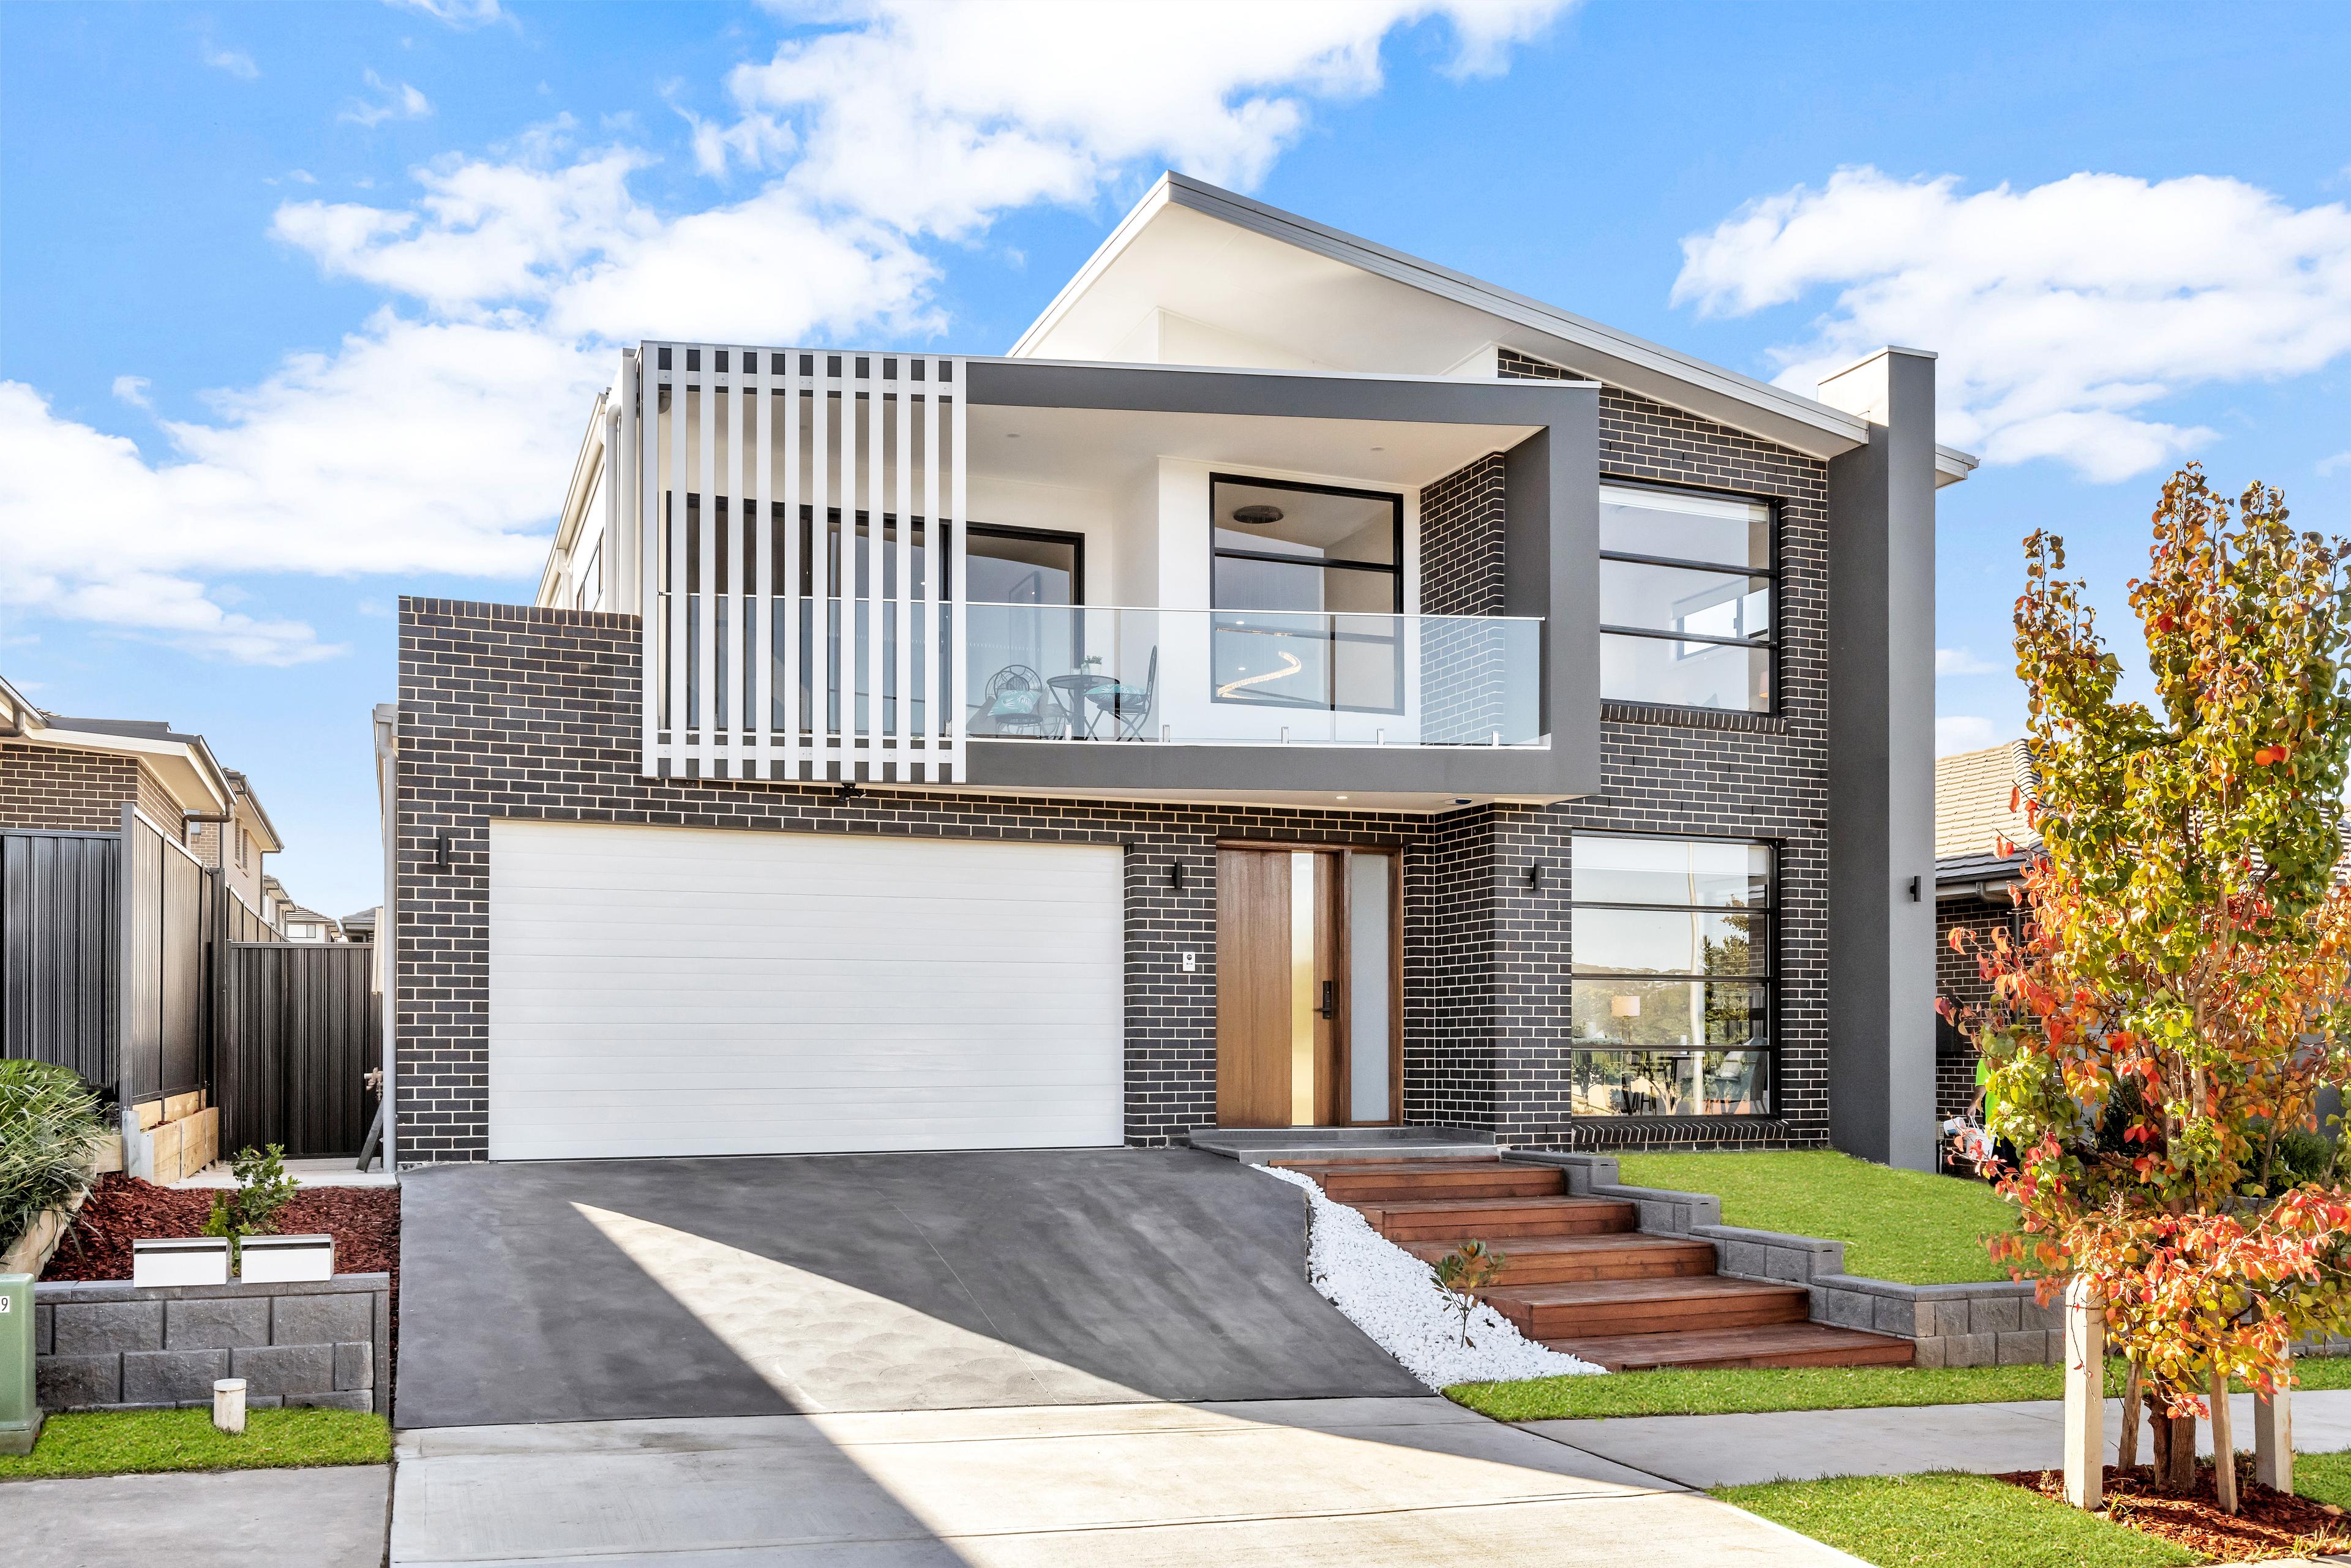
(300, 1026)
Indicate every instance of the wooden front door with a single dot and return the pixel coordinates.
(1306, 1031)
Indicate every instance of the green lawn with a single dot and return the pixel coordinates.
(1964, 1521)
(1906, 1226)
(2324, 1478)
(1739, 1390)
(127, 1442)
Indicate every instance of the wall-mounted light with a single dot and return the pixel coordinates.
(1175, 875)
(444, 850)
(1534, 875)
(1914, 890)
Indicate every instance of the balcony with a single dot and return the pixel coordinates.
(876, 568)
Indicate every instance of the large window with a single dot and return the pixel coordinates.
(1672, 976)
(1308, 582)
(1686, 599)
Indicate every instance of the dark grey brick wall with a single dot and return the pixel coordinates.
(512, 712)
(507, 711)
(1664, 770)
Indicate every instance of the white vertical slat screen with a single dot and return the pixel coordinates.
(800, 513)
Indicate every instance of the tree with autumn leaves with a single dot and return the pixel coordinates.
(2166, 1024)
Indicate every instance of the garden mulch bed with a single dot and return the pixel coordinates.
(2272, 1523)
(363, 1220)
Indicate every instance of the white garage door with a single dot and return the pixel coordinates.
(682, 992)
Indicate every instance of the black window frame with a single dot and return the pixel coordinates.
(1772, 645)
(1771, 979)
(1394, 571)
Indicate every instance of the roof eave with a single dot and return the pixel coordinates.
(1773, 412)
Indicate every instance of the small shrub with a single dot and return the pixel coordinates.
(1461, 1273)
(49, 1134)
(263, 1188)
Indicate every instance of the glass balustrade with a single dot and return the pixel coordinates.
(1245, 676)
(1062, 673)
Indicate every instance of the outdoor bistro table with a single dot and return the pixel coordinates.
(1075, 690)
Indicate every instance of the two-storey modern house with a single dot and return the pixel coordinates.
(1297, 684)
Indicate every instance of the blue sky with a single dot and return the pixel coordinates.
(301, 306)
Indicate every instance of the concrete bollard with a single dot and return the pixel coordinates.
(2086, 1396)
(228, 1403)
(2274, 1441)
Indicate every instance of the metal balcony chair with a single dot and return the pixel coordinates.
(1015, 700)
(1128, 707)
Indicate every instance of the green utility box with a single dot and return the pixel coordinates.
(20, 1415)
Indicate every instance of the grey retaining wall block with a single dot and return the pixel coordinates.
(106, 1344)
(1994, 1323)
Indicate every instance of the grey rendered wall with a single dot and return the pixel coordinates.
(1882, 766)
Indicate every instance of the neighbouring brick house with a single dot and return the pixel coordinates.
(1980, 800)
(60, 775)
(1297, 686)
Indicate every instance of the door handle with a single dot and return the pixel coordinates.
(1330, 1008)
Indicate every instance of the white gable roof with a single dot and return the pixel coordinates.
(1197, 275)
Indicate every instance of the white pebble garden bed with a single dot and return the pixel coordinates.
(1393, 1296)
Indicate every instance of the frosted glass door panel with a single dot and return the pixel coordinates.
(1369, 953)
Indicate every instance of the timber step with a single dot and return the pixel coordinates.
(1613, 1254)
(1603, 1308)
(1771, 1345)
(1580, 1275)
(1453, 1220)
(1367, 1181)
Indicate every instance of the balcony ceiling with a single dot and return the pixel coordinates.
(1102, 448)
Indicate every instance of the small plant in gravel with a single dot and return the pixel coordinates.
(49, 1132)
(1461, 1273)
(263, 1188)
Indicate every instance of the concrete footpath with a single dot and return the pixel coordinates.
(1316, 1483)
(331, 1517)
(1804, 1444)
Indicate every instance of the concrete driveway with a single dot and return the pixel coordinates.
(913, 1361)
(613, 1289)
(1329, 1483)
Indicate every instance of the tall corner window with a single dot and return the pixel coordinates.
(1687, 579)
(1672, 976)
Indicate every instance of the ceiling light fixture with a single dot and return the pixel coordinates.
(1257, 515)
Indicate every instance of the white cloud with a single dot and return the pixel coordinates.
(1959, 661)
(2330, 466)
(462, 14)
(1963, 734)
(935, 117)
(438, 437)
(236, 62)
(132, 390)
(2064, 314)
(400, 102)
(413, 447)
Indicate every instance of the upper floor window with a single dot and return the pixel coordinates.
(1307, 582)
(1687, 579)
(1673, 975)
